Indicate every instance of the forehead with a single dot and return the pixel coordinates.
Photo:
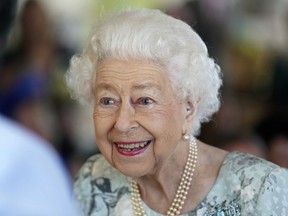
(130, 72)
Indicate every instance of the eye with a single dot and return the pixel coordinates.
(145, 101)
(107, 101)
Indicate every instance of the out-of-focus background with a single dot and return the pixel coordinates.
(248, 39)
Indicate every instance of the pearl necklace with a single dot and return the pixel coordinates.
(182, 190)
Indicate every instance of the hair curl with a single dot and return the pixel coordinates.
(151, 35)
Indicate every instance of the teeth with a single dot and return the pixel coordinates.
(132, 146)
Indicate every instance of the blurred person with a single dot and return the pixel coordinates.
(7, 11)
(208, 18)
(31, 85)
(33, 180)
(273, 129)
(251, 144)
(278, 150)
(226, 123)
(26, 71)
(152, 83)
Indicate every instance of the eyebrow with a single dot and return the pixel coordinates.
(105, 86)
(147, 85)
(141, 86)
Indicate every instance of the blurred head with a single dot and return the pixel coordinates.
(278, 151)
(7, 15)
(251, 144)
(34, 23)
(150, 36)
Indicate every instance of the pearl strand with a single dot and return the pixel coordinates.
(182, 190)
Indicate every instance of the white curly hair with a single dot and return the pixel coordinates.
(151, 35)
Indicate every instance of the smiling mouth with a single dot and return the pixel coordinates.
(132, 146)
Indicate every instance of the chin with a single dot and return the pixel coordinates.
(133, 172)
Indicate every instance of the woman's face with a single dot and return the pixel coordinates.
(139, 122)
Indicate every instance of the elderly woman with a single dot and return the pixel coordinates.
(152, 84)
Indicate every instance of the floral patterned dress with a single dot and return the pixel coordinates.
(246, 185)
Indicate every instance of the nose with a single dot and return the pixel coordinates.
(125, 120)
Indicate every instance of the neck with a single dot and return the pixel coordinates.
(158, 189)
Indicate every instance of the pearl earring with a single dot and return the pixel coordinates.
(186, 137)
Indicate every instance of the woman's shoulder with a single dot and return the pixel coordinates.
(259, 169)
(262, 185)
(237, 163)
(98, 186)
(245, 169)
(96, 169)
(242, 181)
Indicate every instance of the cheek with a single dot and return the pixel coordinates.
(162, 123)
(102, 120)
(166, 131)
(102, 126)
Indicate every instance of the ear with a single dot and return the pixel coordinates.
(190, 112)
